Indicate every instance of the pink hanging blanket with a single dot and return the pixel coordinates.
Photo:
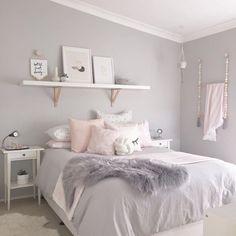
(214, 110)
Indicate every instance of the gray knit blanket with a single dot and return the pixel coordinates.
(147, 176)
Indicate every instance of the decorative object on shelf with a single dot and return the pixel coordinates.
(22, 177)
(103, 69)
(124, 81)
(159, 133)
(199, 92)
(38, 66)
(13, 145)
(77, 64)
(64, 78)
(55, 77)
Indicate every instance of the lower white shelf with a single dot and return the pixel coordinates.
(14, 185)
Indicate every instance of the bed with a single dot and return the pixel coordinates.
(113, 208)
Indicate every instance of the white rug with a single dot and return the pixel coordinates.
(15, 224)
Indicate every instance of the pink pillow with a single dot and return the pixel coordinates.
(81, 133)
(102, 141)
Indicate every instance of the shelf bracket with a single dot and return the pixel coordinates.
(56, 95)
(114, 95)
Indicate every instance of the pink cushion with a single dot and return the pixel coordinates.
(102, 141)
(81, 133)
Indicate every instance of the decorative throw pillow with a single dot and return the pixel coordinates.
(144, 134)
(129, 131)
(118, 117)
(123, 146)
(102, 141)
(59, 133)
(56, 144)
(81, 133)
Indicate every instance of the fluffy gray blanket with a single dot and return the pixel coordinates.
(147, 176)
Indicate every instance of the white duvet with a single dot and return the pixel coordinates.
(178, 158)
(113, 208)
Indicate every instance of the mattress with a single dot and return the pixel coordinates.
(112, 207)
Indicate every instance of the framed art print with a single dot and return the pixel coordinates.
(38, 68)
(103, 70)
(77, 64)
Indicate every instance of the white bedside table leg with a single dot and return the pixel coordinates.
(5, 178)
(38, 165)
(8, 183)
(34, 175)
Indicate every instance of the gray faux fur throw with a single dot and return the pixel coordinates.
(147, 176)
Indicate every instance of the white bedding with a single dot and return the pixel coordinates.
(177, 158)
(113, 208)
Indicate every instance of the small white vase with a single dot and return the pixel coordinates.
(23, 179)
(56, 78)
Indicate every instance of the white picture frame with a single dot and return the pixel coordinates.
(103, 70)
(77, 64)
(38, 68)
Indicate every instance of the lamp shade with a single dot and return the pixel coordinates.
(14, 134)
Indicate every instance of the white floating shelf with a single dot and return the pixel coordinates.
(81, 85)
(115, 88)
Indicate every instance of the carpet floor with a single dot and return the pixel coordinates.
(27, 218)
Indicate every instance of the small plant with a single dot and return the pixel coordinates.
(22, 172)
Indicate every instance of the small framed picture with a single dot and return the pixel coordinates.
(77, 64)
(38, 68)
(103, 70)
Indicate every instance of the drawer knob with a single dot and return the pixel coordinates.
(160, 143)
(23, 154)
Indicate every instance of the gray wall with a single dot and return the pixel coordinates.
(29, 24)
(211, 50)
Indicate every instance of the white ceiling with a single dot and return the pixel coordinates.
(180, 20)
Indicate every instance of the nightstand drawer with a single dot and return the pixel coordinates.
(160, 143)
(22, 155)
(165, 143)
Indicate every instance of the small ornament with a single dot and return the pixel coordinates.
(56, 78)
(64, 78)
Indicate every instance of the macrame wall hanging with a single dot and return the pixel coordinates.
(226, 86)
(199, 93)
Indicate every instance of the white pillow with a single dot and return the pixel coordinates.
(144, 134)
(128, 131)
(118, 117)
(59, 133)
(55, 144)
(102, 141)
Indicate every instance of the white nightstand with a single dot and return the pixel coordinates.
(33, 153)
(161, 143)
(220, 221)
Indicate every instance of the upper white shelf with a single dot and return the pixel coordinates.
(115, 88)
(81, 85)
